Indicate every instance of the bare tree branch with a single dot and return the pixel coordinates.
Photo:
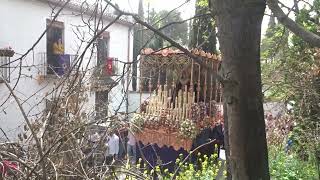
(34, 135)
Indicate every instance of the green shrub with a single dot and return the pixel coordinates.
(285, 166)
(209, 168)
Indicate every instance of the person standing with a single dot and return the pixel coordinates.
(113, 147)
(131, 148)
(93, 144)
(58, 48)
(122, 133)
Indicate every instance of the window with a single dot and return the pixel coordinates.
(107, 65)
(103, 48)
(4, 68)
(58, 62)
(5, 55)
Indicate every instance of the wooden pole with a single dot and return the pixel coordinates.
(140, 80)
(205, 83)
(198, 87)
(211, 89)
(150, 83)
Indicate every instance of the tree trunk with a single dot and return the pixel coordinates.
(239, 33)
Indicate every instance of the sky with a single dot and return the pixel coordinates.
(187, 10)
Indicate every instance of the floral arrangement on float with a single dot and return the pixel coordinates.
(188, 129)
(137, 122)
(165, 119)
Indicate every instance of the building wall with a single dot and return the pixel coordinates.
(22, 23)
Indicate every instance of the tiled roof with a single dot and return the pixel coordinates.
(168, 51)
(77, 5)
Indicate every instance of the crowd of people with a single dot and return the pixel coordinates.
(115, 146)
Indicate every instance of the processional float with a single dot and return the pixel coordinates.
(185, 97)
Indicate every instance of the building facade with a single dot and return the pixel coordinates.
(40, 58)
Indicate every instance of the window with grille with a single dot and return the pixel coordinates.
(4, 69)
(106, 64)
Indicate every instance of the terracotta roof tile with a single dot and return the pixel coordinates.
(168, 51)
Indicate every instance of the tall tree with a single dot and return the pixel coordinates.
(203, 33)
(137, 45)
(239, 33)
(174, 26)
(169, 23)
(155, 42)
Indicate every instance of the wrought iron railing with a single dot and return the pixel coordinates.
(46, 68)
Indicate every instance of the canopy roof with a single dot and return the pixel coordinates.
(169, 52)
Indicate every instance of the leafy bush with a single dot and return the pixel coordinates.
(208, 168)
(289, 166)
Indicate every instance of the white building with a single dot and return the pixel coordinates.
(22, 23)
